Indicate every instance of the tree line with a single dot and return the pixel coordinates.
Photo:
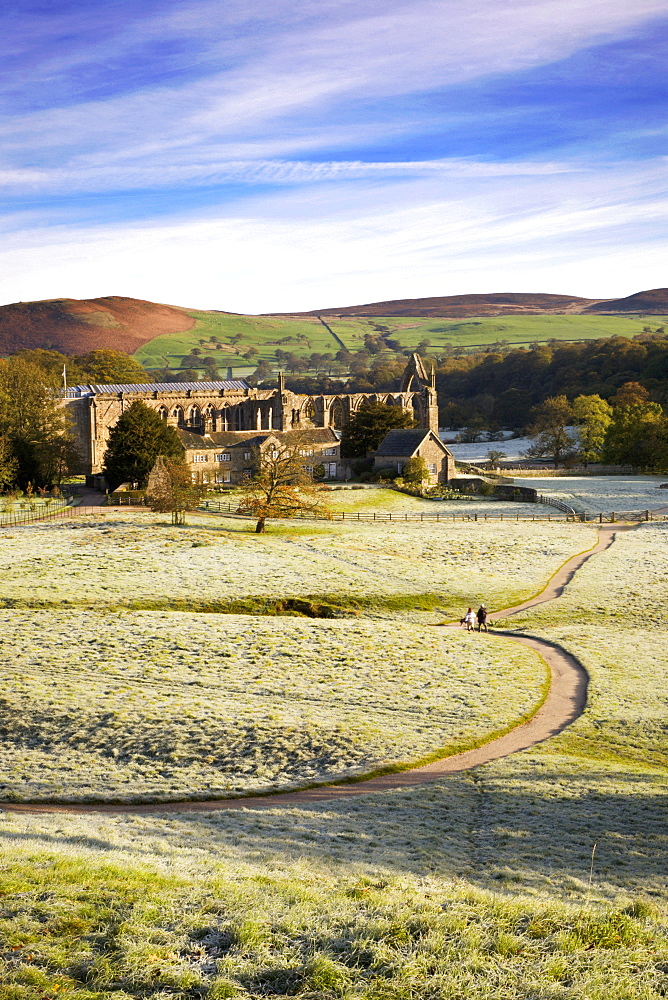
(37, 449)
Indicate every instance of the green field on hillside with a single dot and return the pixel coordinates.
(303, 336)
(474, 332)
(265, 333)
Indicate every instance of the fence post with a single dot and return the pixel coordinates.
(612, 516)
(647, 515)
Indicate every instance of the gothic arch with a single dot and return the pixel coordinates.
(179, 416)
(209, 418)
(163, 412)
(195, 416)
(337, 417)
(308, 411)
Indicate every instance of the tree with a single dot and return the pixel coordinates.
(550, 430)
(34, 424)
(135, 443)
(281, 487)
(637, 435)
(630, 394)
(593, 416)
(415, 471)
(494, 457)
(106, 367)
(368, 427)
(170, 489)
(8, 464)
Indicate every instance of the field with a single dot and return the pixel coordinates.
(135, 561)
(538, 876)
(592, 494)
(304, 335)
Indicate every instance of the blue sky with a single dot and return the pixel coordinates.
(258, 156)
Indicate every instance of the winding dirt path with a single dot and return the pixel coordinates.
(565, 701)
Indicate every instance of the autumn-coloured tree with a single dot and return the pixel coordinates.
(281, 486)
(170, 489)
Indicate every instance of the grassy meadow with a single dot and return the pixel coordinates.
(538, 876)
(304, 335)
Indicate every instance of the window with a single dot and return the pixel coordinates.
(247, 456)
(274, 454)
(224, 457)
(330, 451)
(432, 466)
(330, 470)
(400, 466)
(304, 452)
(223, 477)
(199, 458)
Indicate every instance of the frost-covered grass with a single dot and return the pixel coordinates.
(179, 705)
(135, 560)
(82, 932)
(475, 886)
(612, 616)
(594, 494)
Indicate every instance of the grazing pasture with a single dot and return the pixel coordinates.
(303, 335)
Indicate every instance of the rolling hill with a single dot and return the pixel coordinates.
(75, 326)
(164, 336)
(458, 306)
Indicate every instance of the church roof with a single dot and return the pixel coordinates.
(78, 391)
(405, 441)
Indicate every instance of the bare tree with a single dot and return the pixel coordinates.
(171, 490)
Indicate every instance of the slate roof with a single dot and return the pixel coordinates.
(404, 441)
(222, 439)
(78, 391)
(229, 439)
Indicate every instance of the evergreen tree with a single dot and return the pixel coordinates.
(135, 443)
(368, 427)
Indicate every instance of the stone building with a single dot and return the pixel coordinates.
(231, 407)
(225, 457)
(399, 445)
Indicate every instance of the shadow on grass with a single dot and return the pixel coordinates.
(525, 823)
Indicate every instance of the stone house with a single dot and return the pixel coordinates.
(225, 457)
(401, 444)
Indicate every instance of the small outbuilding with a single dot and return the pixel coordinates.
(399, 445)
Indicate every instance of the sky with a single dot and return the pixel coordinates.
(258, 156)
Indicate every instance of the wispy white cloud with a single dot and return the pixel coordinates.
(594, 236)
(281, 72)
(248, 95)
(212, 172)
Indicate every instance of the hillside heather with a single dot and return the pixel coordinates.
(75, 326)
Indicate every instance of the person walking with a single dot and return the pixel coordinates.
(469, 620)
(481, 615)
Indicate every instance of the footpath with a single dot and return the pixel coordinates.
(565, 702)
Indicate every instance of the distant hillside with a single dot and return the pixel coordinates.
(458, 306)
(653, 302)
(76, 326)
